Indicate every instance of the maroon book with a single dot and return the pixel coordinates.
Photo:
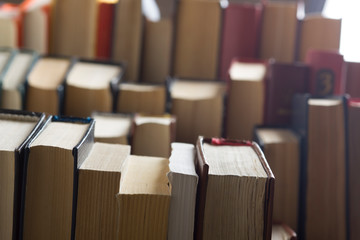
(353, 79)
(240, 34)
(327, 72)
(283, 81)
(105, 22)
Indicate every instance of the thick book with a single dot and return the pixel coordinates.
(283, 81)
(318, 32)
(183, 180)
(328, 73)
(281, 147)
(238, 170)
(198, 106)
(112, 127)
(240, 34)
(197, 39)
(278, 32)
(245, 103)
(153, 135)
(144, 198)
(52, 160)
(141, 98)
(91, 85)
(128, 33)
(17, 128)
(323, 191)
(45, 84)
(12, 81)
(99, 182)
(352, 79)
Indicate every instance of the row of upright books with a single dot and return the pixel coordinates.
(60, 184)
(156, 38)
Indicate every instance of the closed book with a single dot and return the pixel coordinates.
(6, 54)
(99, 182)
(352, 79)
(278, 32)
(198, 106)
(52, 160)
(91, 85)
(17, 129)
(318, 32)
(238, 170)
(240, 34)
(328, 72)
(197, 39)
(10, 22)
(283, 81)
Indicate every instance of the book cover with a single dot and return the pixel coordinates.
(353, 79)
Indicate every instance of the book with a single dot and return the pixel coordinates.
(112, 127)
(328, 73)
(147, 128)
(319, 32)
(91, 85)
(158, 42)
(141, 98)
(9, 26)
(278, 32)
(144, 198)
(239, 171)
(239, 20)
(6, 54)
(197, 35)
(99, 182)
(321, 123)
(198, 106)
(73, 28)
(353, 167)
(16, 130)
(52, 160)
(12, 81)
(246, 98)
(281, 147)
(45, 84)
(352, 79)
(183, 180)
(36, 25)
(281, 231)
(283, 81)
(128, 37)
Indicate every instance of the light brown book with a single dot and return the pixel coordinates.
(198, 107)
(282, 150)
(51, 169)
(112, 127)
(88, 87)
(319, 32)
(44, 85)
(326, 170)
(197, 39)
(153, 135)
(9, 28)
(128, 36)
(183, 180)
(16, 130)
(245, 107)
(144, 198)
(278, 33)
(99, 182)
(13, 80)
(74, 28)
(141, 98)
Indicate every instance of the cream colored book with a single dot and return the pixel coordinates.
(8, 28)
(44, 85)
(144, 198)
(88, 87)
(245, 107)
(198, 107)
(99, 183)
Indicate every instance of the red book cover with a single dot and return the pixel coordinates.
(327, 72)
(240, 34)
(104, 32)
(283, 81)
(353, 79)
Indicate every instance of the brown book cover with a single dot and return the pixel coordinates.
(202, 169)
(353, 79)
